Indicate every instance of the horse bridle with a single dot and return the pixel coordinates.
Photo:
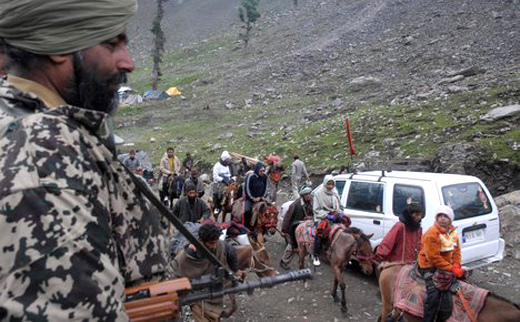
(252, 262)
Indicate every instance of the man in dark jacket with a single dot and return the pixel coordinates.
(256, 191)
(190, 207)
(194, 180)
(299, 210)
(190, 263)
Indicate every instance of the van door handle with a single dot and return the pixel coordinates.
(377, 222)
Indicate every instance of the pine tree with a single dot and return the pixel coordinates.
(248, 14)
(158, 44)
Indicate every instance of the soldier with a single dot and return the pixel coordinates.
(74, 229)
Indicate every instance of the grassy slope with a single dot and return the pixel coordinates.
(417, 130)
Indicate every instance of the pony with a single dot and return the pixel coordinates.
(495, 309)
(175, 183)
(229, 197)
(251, 259)
(264, 219)
(344, 244)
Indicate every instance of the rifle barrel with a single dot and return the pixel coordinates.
(249, 286)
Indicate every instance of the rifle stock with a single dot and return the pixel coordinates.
(160, 301)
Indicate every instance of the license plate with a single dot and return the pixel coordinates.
(473, 235)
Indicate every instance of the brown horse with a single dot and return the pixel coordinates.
(175, 183)
(495, 309)
(349, 242)
(251, 259)
(264, 219)
(230, 195)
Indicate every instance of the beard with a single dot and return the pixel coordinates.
(89, 90)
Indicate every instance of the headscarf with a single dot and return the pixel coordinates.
(56, 27)
(326, 179)
(325, 200)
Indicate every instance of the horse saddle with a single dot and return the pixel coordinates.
(410, 292)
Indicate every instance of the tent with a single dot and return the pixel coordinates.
(155, 95)
(128, 96)
(173, 91)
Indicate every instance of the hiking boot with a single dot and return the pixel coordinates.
(284, 266)
(316, 261)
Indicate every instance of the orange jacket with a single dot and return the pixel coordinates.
(440, 248)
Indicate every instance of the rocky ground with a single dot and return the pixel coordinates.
(293, 302)
(416, 79)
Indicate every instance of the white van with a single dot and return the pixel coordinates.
(375, 199)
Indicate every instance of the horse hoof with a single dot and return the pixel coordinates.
(344, 309)
(335, 298)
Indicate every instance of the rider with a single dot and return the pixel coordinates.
(440, 256)
(327, 208)
(221, 177)
(255, 191)
(299, 210)
(190, 263)
(403, 242)
(169, 166)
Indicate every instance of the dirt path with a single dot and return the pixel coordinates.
(293, 302)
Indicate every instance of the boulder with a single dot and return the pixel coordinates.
(501, 112)
(364, 83)
(459, 157)
(509, 213)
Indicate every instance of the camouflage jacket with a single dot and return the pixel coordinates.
(74, 229)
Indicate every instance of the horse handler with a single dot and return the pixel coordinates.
(190, 263)
(299, 210)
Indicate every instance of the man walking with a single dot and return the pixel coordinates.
(190, 263)
(298, 172)
(299, 210)
(74, 228)
(190, 207)
(274, 176)
(194, 180)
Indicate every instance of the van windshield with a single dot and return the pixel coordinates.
(466, 199)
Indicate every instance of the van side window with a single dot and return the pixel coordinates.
(365, 196)
(466, 199)
(405, 195)
(340, 185)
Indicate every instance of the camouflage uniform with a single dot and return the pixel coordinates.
(74, 230)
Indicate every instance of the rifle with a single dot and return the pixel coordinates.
(160, 301)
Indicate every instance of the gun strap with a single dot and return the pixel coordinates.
(147, 192)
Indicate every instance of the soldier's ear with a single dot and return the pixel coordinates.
(60, 59)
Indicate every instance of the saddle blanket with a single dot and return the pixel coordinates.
(409, 294)
(306, 232)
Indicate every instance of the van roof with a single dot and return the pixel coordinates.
(445, 178)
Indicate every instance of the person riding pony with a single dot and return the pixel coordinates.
(255, 191)
(327, 210)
